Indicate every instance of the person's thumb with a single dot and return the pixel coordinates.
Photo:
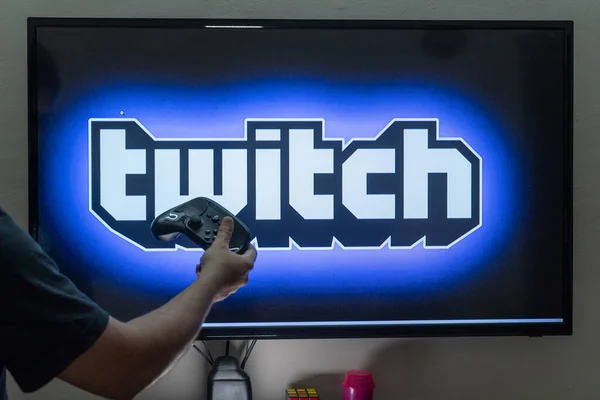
(225, 232)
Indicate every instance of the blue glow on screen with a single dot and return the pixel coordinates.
(349, 110)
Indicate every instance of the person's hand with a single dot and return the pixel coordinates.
(222, 269)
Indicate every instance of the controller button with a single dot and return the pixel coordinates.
(207, 232)
(215, 218)
(209, 215)
(215, 231)
(196, 220)
(172, 217)
(178, 210)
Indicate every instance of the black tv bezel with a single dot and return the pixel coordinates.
(516, 329)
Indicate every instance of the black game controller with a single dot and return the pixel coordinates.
(199, 220)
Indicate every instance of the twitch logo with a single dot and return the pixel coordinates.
(292, 184)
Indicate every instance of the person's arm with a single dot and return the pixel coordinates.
(49, 329)
(129, 357)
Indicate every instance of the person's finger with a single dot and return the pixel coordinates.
(225, 232)
(250, 253)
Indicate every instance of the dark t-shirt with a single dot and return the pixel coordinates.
(45, 321)
(2, 384)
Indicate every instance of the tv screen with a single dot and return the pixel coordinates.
(399, 178)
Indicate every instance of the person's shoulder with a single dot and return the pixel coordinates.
(3, 214)
(8, 227)
(6, 221)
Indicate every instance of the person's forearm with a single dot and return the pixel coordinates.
(128, 357)
(163, 336)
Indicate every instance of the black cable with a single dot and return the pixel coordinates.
(212, 360)
(227, 347)
(248, 352)
(203, 355)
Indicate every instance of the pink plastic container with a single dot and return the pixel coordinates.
(358, 385)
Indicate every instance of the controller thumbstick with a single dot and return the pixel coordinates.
(195, 221)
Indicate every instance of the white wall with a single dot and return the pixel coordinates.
(484, 368)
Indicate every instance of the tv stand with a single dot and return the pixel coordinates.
(227, 380)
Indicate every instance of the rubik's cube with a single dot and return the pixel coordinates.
(301, 394)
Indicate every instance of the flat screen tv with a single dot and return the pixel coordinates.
(401, 178)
